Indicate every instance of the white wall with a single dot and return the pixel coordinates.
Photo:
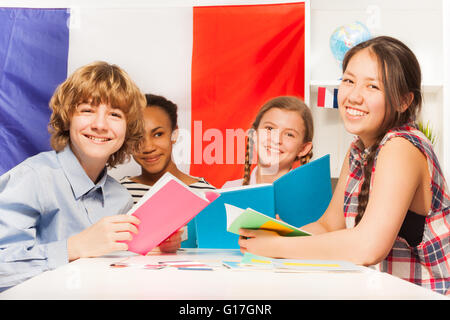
(417, 23)
(446, 91)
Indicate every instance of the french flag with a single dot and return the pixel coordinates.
(327, 98)
(219, 64)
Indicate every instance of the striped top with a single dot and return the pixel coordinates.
(137, 190)
(426, 262)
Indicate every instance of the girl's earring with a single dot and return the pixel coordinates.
(174, 136)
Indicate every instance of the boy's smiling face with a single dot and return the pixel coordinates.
(97, 132)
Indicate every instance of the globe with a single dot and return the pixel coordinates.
(346, 37)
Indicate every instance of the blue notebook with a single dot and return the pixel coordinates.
(300, 197)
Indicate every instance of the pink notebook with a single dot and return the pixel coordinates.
(165, 208)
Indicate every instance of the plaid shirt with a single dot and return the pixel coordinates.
(426, 264)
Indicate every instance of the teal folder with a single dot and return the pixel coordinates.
(191, 241)
(300, 197)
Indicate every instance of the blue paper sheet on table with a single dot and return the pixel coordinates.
(299, 197)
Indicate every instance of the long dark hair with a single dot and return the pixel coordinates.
(401, 76)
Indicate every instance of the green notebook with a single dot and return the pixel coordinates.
(250, 219)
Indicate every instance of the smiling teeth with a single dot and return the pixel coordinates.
(98, 139)
(354, 112)
(273, 150)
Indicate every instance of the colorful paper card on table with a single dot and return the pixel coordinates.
(148, 262)
(165, 208)
(250, 259)
(187, 265)
(299, 265)
(299, 197)
(237, 266)
(141, 262)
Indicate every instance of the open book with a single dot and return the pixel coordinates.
(299, 197)
(238, 218)
(165, 208)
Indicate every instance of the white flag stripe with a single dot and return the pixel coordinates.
(329, 98)
(154, 45)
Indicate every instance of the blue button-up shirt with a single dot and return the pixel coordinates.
(43, 201)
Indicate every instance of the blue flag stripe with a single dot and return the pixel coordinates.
(34, 46)
(335, 99)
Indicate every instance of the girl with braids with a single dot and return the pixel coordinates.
(283, 132)
(391, 204)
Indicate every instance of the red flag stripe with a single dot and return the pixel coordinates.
(242, 57)
(321, 97)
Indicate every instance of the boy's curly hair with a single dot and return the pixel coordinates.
(97, 83)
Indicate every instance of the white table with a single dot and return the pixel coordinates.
(94, 278)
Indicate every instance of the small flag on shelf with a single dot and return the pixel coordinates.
(327, 98)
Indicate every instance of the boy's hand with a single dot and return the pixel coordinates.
(103, 237)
